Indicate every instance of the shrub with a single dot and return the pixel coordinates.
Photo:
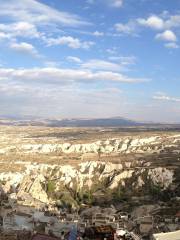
(120, 194)
(51, 187)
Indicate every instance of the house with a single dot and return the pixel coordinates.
(59, 227)
(81, 226)
(43, 237)
(177, 217)
(17, 222)
(123, 215)
(145, 225)
(100, 232)
(100, 219)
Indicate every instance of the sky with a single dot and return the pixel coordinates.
(90, 59)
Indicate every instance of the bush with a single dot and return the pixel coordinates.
(155, 191)
(88, 198)
(120, 194)
(51, 187)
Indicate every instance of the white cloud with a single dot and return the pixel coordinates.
(153, 22)
(124, 60)
(29, 30)
(24, 47)
(111, 3)
(75, 102)
(4, 36)
(74, 59)
(98, 64)
(14, 31)
(171, 45)
(24, 29)
(164, 97)
(90, 1)
(163, 21)
(98, 34)
(13, 89)
(112, 51)
(38, 13)
(116, 3)
(64, 76)
(167, 35)
(51, 64)
(32, 19)
(173, 21)
(127, 28)
(69, 41)
(19, 29)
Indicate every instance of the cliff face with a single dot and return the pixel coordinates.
(124, 168)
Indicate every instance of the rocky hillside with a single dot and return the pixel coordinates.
(124, 168)
(125, 145)
(87, 182)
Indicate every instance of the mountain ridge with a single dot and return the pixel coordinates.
(80, 122)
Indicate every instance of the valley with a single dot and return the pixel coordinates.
(72, 169)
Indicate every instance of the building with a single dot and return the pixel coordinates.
(100, 233)
(145, 225)
(43, 237)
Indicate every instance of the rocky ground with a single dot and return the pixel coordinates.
(95, 166)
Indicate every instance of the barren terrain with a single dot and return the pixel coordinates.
(96, 162)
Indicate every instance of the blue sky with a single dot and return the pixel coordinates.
(90, 59)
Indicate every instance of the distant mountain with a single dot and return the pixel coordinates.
(99, 122)
(75, 122)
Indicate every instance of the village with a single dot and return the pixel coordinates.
(21, 220)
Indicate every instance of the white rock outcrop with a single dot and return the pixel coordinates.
(161, 176)
(120, 145)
